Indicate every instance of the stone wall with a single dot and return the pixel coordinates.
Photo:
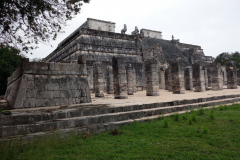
(39, 84)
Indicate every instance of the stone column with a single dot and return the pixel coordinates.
(206, 77)
(151, 73)
(119, 78)
(166, 79)
(110, 89)
(83, 64)
(238, 76)
(198, 76)
(134, 80)
(162, 78)
(169, 78)
(209, 77)
(177, 77)
(216, 78)
(188, 75)
(129, 79)
(98, 79)
(231, 75)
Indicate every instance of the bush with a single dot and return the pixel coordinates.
(194, 118)
(176, 117)
(201, 111)
(166, 124)
(190, 121)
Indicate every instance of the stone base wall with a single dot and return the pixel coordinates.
(40, 84)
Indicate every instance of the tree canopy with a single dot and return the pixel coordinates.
(25, 23)
(225, 57)
(9, 61)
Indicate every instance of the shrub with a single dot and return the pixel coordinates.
(190, 121)
(201, 111)
(211, 116)
(165, 124)
(176, 117)
(194, 117)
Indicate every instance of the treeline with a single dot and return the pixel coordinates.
(226, 56)
(9, 61)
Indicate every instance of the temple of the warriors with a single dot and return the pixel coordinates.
(99, 80)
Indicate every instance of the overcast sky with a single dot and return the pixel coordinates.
(212, 24)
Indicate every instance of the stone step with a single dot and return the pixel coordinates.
(30, 118)
(89, 121)
(65, 133)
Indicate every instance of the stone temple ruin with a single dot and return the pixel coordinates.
(96, 60)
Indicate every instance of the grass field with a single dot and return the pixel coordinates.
(203, 134)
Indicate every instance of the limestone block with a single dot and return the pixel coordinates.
(110, 89)
(216, 77)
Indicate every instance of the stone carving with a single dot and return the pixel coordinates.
(231, 75)
(178, 85)
(129, 79)
(119, 78)
(151, 73)
(198, 76)
(136, 31)
(123, 31)
(98, 79)
(216, 76)
(188, 76)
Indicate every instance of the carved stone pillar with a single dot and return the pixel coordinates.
(83, 64)
(129, 79)
(166, 79)
(198, 76)
(216, 77)
(151, 73)
(119, 78)
(238, 76)
(98, 79)
(231, 75)
(134, 80)
(206, 77)
(177, 77)
(209, 76)
(161, 78)
(169, 78)
(110, 89)
(188, 76)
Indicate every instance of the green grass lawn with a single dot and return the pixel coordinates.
(203, 134)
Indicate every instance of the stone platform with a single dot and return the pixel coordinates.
(105, 113)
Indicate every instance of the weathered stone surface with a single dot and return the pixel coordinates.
(161, 77)
(37, 85)
(206, 77)
(151, 73)
(110, 89)
(198, 76)
(188, 77)
(216, 77)
(166, 79)
(119, 78)
(238, 76)
(169, 74)
(134, 80)
(178, 85)
(231, 75)
(98, 79)
(129, 79)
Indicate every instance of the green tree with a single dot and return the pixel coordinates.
(23, 23)
(9, 61)
(225, 57)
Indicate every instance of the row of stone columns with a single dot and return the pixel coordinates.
(121, 78)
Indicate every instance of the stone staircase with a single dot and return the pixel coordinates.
(23, 127)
